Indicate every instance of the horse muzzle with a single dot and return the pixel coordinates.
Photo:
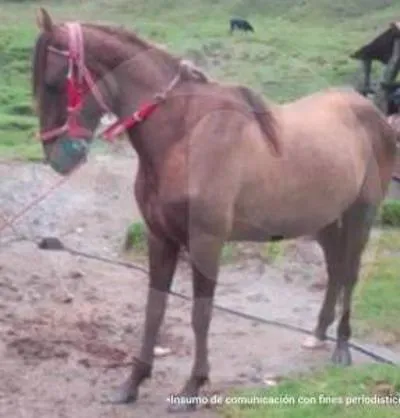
(66, 153)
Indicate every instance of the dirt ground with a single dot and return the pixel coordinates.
(65, 320)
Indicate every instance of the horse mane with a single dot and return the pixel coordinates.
(188, 70)
(121, 33)
(264, 116)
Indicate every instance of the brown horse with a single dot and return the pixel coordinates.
(216, 163)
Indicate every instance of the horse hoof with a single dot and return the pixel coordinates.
(313, 343)
(342, 357)
(125, 394)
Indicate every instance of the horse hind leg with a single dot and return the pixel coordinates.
(343, 245)
(359, 221)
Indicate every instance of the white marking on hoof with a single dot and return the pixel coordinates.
(161, 351)
(272, 380)
(313, 343)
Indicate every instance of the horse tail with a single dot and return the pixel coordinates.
(264, 116)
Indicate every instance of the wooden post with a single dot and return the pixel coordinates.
(366, 66)
(388, 77)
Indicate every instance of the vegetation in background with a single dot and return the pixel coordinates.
(390, 213)
(376, 307)
(298, 47)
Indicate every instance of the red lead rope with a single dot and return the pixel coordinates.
(140, 115)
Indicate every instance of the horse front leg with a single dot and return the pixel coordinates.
(163, 256)
(205, 256)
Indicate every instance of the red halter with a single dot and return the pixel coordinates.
(79, 81)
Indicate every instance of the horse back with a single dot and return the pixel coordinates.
(347, 130)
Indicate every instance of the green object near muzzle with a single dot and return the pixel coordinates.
(66, 153)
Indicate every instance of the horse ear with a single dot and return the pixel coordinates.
(43, 20)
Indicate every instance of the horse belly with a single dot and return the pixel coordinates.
(274, 228)
(301, 207)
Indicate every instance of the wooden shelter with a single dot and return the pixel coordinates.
(385, 48)
(380, 48)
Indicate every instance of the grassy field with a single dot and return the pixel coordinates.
(376, 309)
(298, 47)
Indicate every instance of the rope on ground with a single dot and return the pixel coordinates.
(243, 315)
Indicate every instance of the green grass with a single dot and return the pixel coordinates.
(390, 213)
(377, 302)
(333, 393)
(136, 238)
(376, 305)
(273, 251)
(299, 46)
(17, 138)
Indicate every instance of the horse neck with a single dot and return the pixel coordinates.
(139, 68)
(141, 77)
(139, 85)
(142, 71)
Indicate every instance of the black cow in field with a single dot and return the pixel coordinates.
(240, 24)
